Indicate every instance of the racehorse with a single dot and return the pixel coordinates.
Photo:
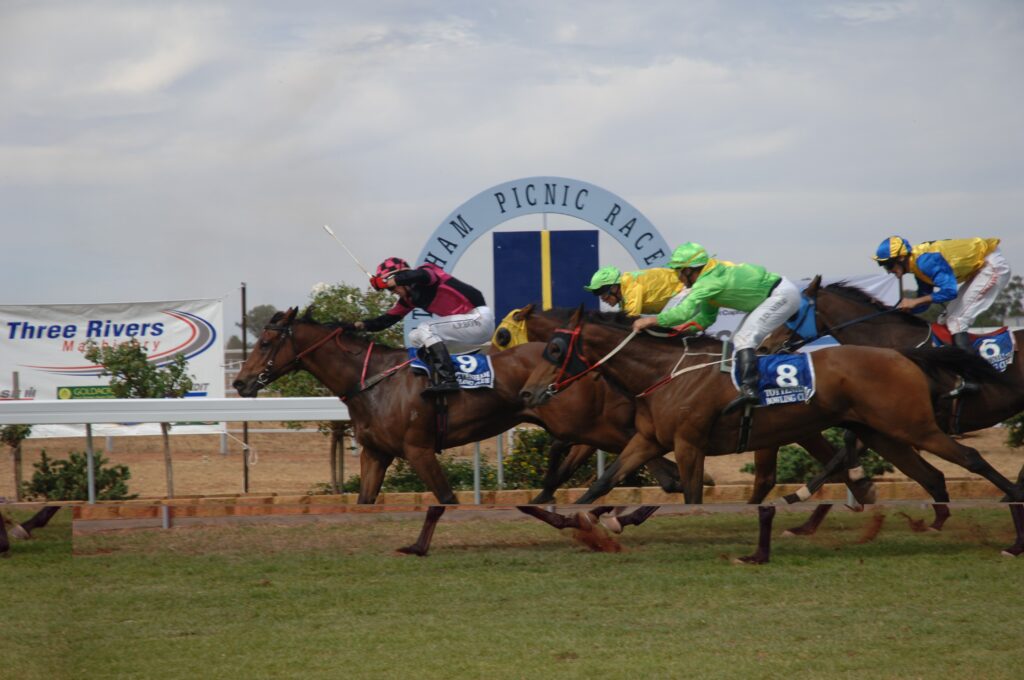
(392, 420)
(853, 317)
(685, 414)
(529, 324)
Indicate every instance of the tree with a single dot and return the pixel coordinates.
(134, 376)
(1009, 302)
(339, 302)
(256, 318)
(12, 436)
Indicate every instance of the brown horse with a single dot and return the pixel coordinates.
(853, 317)
(872, 391)
(392, 420)
(530, 324)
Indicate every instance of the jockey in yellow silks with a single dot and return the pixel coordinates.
(940, 267)
(647, 291)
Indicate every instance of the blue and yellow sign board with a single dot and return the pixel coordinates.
(547, 267)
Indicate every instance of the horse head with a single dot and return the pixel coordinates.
(563, 363)
(273, 356)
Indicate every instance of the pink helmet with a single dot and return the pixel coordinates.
(388, 267)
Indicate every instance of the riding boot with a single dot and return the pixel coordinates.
(442, 368)
(746, 362)
(963, 341)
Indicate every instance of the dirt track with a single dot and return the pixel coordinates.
(292, 463)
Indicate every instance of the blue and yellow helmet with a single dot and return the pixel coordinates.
(891, 248)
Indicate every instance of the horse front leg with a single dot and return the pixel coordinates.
(766, 463)
(561, 467)
(765, 517)
(1017, 513)
(424, 463)
(372, 467)
(40, 519)
(638, 451)
(422, 544)
(690, 460)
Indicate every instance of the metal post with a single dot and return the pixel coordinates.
(476, 474)
(16, 453)
(110, 443)
(600, 463)
(90, 464)
(165, 516)
(224, 440)
(245, 425)
(501, 463)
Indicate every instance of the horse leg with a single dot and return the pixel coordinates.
(765, 516)
(765, 470)
(638, 451)
(558, 521)
(559, 474)
(909, 462)
(40, 519)
(941, 445)
(424, 463)
(1017, 513)
(616, 523)
(5, 543)
(690, 460)
(372, 466)
(422, 544)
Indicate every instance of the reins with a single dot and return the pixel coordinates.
(559, 384)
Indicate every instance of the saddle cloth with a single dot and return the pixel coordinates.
(472, 370)
(783, 379)
(997, 347)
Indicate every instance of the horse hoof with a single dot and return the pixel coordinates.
(411, 550)
(1015, 551)
(750, 559)
(18, 531)
(585, 521)
(611, 523)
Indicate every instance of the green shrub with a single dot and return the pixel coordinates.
(1015, 431)
(67, 480)
(796, 466)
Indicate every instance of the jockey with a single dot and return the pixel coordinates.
(642, 292)
(939, 266)
(768, 298)
(462, 315)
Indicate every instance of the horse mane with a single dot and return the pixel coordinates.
(940, 362)
(850, 292)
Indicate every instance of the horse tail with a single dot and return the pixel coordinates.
(942, 363)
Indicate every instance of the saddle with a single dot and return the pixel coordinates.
(942, 337)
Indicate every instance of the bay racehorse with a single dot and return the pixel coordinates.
(529, 324)
(391, 419)
(880, 394)
(853, 317)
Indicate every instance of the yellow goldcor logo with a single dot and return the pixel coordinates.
(85, 392)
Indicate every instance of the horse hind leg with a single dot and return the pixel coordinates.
(943, 446)
(765, 517)
(1017, 513)
(422, 544)
(39, 520)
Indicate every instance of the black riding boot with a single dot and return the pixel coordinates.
(442, 368)
(963, 341)
(746, 360)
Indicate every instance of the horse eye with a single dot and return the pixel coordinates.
(264, 344)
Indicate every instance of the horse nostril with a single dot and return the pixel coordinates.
(238, 384)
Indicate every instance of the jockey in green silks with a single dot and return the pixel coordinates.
(770, 299)
(647, 291)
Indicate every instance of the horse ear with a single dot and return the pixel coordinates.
(812, 288)
(577, 317)
(308, 314)
(289, 316)
(524, 313)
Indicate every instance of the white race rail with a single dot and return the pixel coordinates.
(89, 412)
(92, 411)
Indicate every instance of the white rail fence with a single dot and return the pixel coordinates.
(90, 412)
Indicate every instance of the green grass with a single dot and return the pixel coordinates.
(515, 600)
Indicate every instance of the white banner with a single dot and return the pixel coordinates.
(45, 345)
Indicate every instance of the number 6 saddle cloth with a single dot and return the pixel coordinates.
(783, 379)
(472, 370)
(997, 347)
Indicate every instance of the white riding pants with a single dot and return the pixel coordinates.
(459, 332)
(783, 303)
(978, 294)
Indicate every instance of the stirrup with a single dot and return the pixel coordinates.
(746, 397)
(963, 388)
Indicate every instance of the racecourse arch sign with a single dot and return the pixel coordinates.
(532, 195)
(538, 195)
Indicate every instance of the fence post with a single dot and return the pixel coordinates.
(90, 466)
(600, 463)
(501, 463)
(476, 474)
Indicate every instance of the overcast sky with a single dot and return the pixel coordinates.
(162, 150)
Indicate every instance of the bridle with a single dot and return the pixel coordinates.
(287, 332)
(574, 365)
